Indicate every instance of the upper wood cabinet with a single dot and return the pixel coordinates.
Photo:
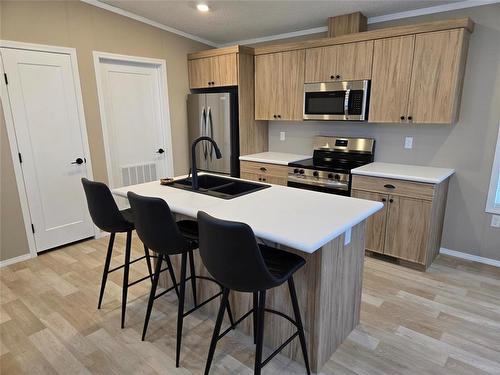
(350, 61)
(437, 75)
(392, 63)
(418, 78)
(279, 85)
(214, 71)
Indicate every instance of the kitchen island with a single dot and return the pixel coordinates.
(327, 230)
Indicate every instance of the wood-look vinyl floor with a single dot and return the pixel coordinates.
(444, 321)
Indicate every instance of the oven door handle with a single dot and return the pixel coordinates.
(346, 102)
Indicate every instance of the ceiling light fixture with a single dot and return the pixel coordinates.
(202, 7)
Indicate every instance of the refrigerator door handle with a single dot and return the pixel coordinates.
(210, 131)
(203, 131)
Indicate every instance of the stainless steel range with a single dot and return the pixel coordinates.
(329, 170)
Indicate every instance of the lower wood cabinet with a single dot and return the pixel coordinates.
(264, 172)
(410, 225)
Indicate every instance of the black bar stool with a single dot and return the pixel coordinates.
(157, 229)
(231, 254)
(108, 218)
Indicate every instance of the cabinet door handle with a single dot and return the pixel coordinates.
(391, 200)
(263, 169)
(260, 179)
(332, 77)
(279, 116)
(337, 76)
(389, 186)
(275, 116)
(384, 200)
(410, 118)
(263, 179)
(402, 117)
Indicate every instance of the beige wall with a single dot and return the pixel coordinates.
(467, 146)
(87, 28)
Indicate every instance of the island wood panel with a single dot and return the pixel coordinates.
(351, 61)
(375, 224)
(407, 231)
(391, 76)
(460, 23)
(253, 134)
(400, 187)
(328, 288)
(436, 79)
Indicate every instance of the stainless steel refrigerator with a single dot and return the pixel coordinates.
(215, 115)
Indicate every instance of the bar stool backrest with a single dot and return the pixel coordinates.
(103, 209)
(156, 226)
(231, 254)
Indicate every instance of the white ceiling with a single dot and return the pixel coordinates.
(231, 21)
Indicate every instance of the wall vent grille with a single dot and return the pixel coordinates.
(138, 173)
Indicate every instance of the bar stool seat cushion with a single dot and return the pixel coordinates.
(189, 229)
(281, 264)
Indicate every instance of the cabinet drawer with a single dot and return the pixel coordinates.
(394, 187)
(264, 169)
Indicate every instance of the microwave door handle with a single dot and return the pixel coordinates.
(346, 102)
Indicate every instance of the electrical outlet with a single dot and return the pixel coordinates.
(282, 136)
(495, 221)
(409, 142)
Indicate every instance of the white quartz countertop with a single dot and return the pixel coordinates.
(301, 219)
(270, 157)
(416, 173)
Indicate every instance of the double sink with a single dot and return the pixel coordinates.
(220, 187)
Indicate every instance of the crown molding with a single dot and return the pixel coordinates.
(147, 21)
(315, 30)
(372, 20)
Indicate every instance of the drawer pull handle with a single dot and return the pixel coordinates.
(263, 169)
(384, 200)
(389, 186)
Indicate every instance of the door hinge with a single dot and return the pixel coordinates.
(32, 228)
(5, 77)
(20, 157)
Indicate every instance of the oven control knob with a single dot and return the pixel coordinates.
(301, 171)
(330, 175)
(337, 177)
(296, 170)
(315, 174)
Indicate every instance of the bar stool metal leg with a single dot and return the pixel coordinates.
(215, 334)
(180, 312)
(172, 274)
(298, 320)
(192, 273)
(125, 276)
(260, 333)
(148, 262)
(255, 315)
(152, 295)
(106, 268)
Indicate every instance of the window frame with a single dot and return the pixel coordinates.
(494, 180)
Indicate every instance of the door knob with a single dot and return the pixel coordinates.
(77, 161)
(160, 151)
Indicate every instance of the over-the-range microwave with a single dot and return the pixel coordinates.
(337, 101)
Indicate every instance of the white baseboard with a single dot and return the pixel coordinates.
(18, 259)
(475, 258)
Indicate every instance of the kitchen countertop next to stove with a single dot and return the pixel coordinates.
(417, 173)
(270, 157)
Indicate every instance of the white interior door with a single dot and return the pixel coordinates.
(135, 121)
(51, 137)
